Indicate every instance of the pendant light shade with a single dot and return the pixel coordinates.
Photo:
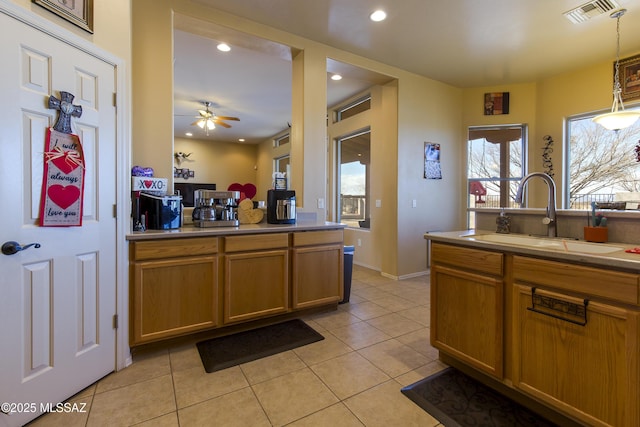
(618, 118)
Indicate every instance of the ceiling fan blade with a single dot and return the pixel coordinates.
(195, 123)
(223, 124)
(227, 118)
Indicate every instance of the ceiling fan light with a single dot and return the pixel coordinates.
(201, 124)
(617, 120)
(210, 124)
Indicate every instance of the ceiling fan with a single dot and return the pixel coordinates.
(207, 120)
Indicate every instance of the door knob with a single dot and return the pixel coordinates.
(10, 248)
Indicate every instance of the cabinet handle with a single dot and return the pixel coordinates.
(548, 305)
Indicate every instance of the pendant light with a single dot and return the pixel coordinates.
(618, 118)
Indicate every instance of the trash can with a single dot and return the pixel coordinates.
(348, 270)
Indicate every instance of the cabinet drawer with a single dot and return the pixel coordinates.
(171, 248)
(256, 242)
(598, 282)
(307, 238)
(468, 258)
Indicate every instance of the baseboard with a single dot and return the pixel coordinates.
(405, 276)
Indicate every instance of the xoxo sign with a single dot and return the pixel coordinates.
(156, 186)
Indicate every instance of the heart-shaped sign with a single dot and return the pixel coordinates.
(64, 196)
(248, 215)
(249, 190)
(64, 163)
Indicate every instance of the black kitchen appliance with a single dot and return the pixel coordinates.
(281, 207)
(160, 212)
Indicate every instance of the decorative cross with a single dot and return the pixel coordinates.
(67, 109)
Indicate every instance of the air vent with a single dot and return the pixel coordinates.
(588, 10)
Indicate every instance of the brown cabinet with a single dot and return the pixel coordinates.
(317, 270)
(573, 350)
(173, 287)
(256, 276)
(467, 306)
(565, 334)
(183, 285)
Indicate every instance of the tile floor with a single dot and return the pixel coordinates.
(374, 345)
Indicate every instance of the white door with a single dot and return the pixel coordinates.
(57, 302)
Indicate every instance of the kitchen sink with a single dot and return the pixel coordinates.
(546, 243)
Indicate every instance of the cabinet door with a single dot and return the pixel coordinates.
(466, 317)
(256, 284)
(317, 275)
(589, 371)
(173, 297)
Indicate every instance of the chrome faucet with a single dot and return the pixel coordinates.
(550, 219)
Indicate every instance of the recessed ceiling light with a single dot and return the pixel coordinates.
(223, 47)
(189, 134)
(336, 77)
(378, 15)
(241, 140)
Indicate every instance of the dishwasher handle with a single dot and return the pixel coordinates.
(558, 308)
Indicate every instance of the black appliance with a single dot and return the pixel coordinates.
(161, 212)
(281, 207)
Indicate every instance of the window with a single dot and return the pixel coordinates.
(282, 140)
(282, 164)
(601, 165)
(350, 110)
(354, 169)
(495, 159)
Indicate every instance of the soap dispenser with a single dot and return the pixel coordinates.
(503, 222)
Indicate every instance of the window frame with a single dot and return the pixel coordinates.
(505, 181)
(338, 183)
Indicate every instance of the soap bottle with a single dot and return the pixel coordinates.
(503, 223)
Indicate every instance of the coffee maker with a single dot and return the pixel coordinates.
(215, 208)
(281, 207)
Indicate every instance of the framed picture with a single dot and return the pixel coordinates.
(432, 169)
(78, 12)
(496, 103)
(629, 77)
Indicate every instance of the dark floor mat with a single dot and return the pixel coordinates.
(231, 350)
(457, 400)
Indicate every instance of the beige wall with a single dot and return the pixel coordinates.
(220, 163)
(426, 110)
(266, 153)
(383, 155)
(544, 106)
(522, 110)
(111, 25)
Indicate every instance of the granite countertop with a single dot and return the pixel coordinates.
(263, 227)
(618, 259)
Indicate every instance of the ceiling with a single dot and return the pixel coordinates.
(464, 43)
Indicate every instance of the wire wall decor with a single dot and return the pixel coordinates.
(547, 150)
